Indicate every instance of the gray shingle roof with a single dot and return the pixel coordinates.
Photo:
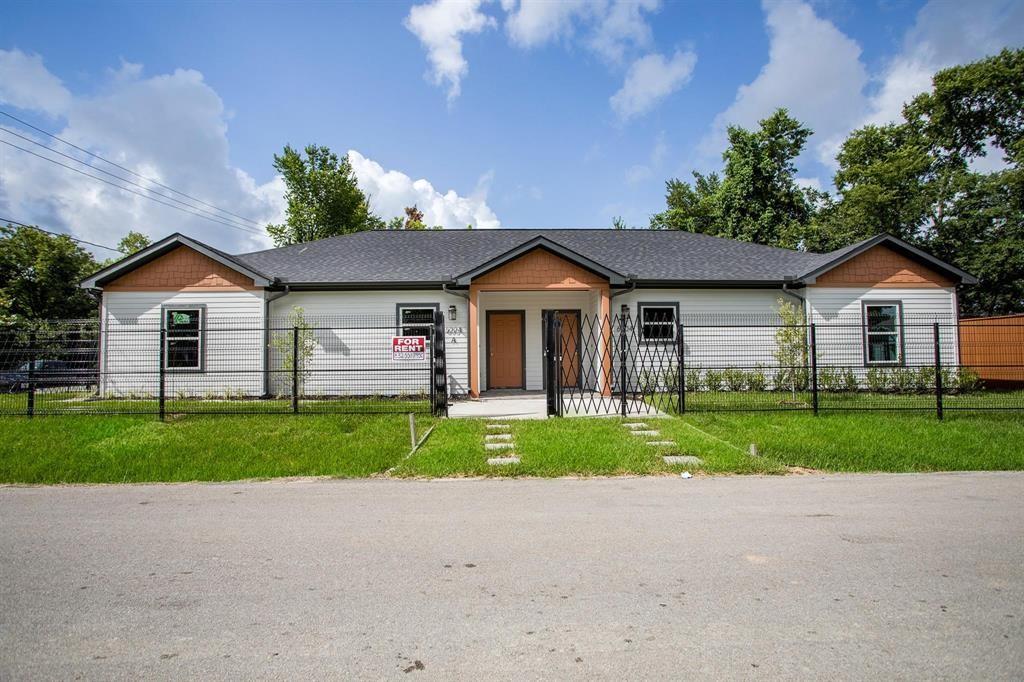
(441, 255)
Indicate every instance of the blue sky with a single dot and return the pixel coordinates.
(497, 113)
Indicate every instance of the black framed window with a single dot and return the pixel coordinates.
(883, 333)
(184, 339)
(658, 322)
(415, 320)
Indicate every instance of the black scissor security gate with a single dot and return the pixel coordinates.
(611, 365)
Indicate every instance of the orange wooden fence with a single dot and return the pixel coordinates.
(994, 348)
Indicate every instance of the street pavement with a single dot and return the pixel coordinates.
(797, 577)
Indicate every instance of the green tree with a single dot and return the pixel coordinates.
(756, 199)
(913, 179)
(133, 242)
(39, 276)
(324, 199)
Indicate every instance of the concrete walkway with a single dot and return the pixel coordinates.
(797, 577)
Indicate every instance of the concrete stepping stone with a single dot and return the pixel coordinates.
(635, 425)
(682, 459)
(492, 437)
(499, 427)
(498, 446)
(646, 433)
(499, 461)
(661, 442)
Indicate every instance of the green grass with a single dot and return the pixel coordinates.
(776, 400)
(78, 402)
(871, 441)
(571, 447)
(81, 449)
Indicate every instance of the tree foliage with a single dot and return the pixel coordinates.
(756, 198)
(324, 199)
(39, 276)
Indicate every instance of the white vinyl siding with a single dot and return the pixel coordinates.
(232, 344)
(338, 348)
(838, 314)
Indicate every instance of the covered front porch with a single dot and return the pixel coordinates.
(509, 302)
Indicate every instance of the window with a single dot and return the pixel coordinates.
(416, 320)
(883, 333)
(658, 322)
(184, 349)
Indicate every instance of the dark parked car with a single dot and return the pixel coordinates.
(48, 374)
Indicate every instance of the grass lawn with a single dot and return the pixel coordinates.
(801, 400)
(871, 441)
(112, 449)
(564, 447)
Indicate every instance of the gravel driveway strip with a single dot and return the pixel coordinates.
(907, 576)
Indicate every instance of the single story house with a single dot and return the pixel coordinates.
(494, 288)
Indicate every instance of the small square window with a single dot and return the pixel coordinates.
(657, 323)
(184, 338)
(883, 333)
(416, 321)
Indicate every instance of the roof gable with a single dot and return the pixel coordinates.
(564, 254)
(540, 269)
(229, 266)
(911, 264)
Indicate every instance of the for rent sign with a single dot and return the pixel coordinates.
(405, 348)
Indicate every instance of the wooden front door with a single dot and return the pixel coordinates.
(569, 346)
(505, 346)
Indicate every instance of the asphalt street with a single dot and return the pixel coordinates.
(861, 576)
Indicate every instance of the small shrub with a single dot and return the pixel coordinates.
(693, 379)
(967, 380)
(850, 382)
(713, 380)
(735, 378)
(878, 380)
(647, 381)
(670, 379)
(903, 380)
(924, 382)
(829, 379)
(949, 380)
(757, 380)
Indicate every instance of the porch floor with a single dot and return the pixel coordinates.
(516, 404)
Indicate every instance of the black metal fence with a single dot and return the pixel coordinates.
(326, 365)
(621, 365)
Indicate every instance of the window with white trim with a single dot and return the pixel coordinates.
(657, 322)
(883, 333)
(184, 338)
(415, 320)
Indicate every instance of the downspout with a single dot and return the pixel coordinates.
(786, 289)
(266, 335)
(632, 286)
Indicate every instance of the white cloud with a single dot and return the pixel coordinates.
(440, 25)
(649, 80)
(640, 172)
(391, 191)
(172, 128)
(943, 34)
(813, 69)
(26, 84)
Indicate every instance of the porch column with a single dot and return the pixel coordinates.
(606, 339)
(474, 341)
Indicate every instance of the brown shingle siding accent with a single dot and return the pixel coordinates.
(540, 269)
(882, 267)
(182, 269)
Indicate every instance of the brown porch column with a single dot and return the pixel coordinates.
(474, 351)
(606, 339)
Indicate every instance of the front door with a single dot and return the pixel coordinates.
(569, 346)
(505, 346)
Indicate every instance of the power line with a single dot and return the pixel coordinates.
(126, 189)
(122, 179)
(128, 170)
(58, 234)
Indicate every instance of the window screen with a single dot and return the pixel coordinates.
(882, 333)
(184, 338)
